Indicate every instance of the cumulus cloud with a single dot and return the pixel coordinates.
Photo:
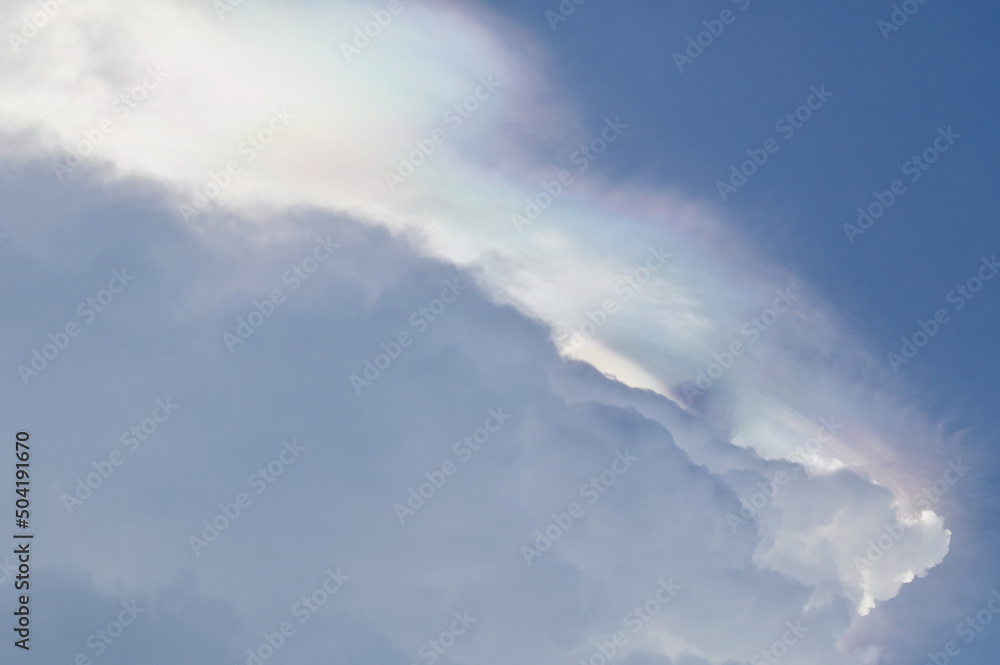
(662, 516)
(715, 368)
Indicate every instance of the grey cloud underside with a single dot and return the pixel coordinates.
(333, 507)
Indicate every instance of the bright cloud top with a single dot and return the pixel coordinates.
(440, 129)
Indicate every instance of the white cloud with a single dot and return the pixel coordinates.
(351, 121)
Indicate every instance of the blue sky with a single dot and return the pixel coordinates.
(478, 390)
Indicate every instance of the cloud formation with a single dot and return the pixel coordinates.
(215, 154)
